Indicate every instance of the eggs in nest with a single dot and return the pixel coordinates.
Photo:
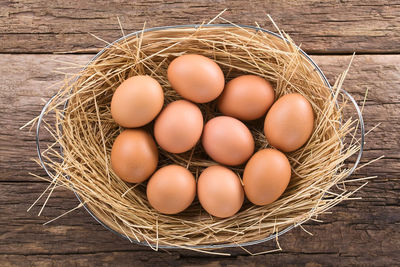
(226, 139)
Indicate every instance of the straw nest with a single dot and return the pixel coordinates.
(84, 130)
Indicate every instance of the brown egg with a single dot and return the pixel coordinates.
(246, 97)
(134, 156)
(220, 191)
(227, 140)
(171, 189)
(289, 122)
(137, 101)
(266, 176)
(196, 78)
(178, 127)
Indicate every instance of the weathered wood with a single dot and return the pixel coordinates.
(27, 78)
(26, 85)
(358, 232)
(380, 75)
(322, 27)
(174, 259)
(361, 232)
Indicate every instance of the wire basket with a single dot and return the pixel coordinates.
(339, 96)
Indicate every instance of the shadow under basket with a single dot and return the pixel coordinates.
(78, 118)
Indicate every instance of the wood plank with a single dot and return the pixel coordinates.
(174, 259)
(26, 87)
(357, 232)
(27, 78)
(379, 75)
(361, 232)
(40, 26)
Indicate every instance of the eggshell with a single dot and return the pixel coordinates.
(179, 126)
(137, 101)
(227, 140)
(289, 122)
(220, 191)
(134, 156)
(266, 176)
(246, 97)
(171, 189)
(196, 78)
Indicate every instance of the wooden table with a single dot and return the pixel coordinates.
(37, 36)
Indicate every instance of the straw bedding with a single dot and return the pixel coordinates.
(85, 131)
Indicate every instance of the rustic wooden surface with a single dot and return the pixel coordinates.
(361, 232)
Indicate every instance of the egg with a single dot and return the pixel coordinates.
(179, 126)
(227, 140)
(220, 192)
(171, 189)
(134, 155)
(196, 78)
(246, 97)
(266, 176)
(137, 101)
(289, 122)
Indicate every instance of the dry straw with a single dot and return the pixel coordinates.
(84, 131)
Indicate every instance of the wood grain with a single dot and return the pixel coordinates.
(40, 26)
(28, 81)
(362, 232)
(358, 232)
